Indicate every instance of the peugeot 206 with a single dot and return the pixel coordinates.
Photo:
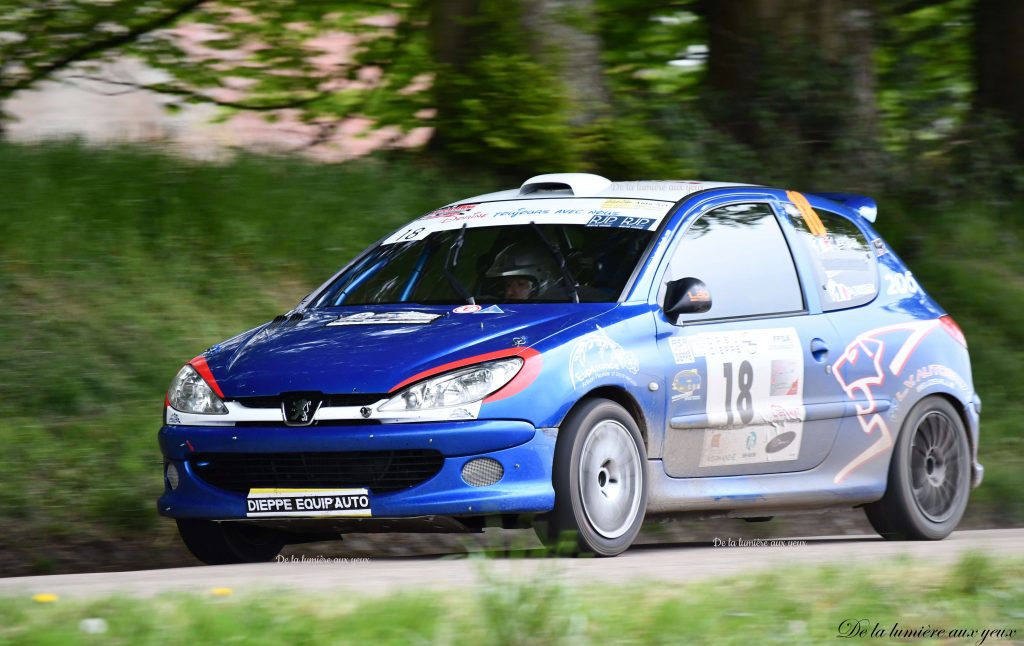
(579, 354)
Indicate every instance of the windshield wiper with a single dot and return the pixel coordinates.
(568, 278)
(451, 262)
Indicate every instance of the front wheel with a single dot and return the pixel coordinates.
(229, 542)
(599, 480)
(929, 476)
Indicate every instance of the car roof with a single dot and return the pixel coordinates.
(569, 185)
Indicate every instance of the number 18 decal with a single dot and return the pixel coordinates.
(754, 393)
(744, 401)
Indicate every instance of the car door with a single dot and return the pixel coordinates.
(748, 389)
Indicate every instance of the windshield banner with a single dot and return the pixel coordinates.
(624, 213)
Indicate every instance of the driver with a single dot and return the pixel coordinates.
(528, 272)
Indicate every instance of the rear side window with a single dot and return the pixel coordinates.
(844, 266)
(739, 252)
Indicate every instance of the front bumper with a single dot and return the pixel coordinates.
(526, 453)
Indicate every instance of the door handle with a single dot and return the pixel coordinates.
(819, 350)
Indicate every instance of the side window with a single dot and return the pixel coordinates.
(844, 264)
(741, 255)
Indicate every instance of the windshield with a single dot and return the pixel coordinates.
(495, 264)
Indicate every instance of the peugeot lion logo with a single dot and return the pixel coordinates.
(299, 411)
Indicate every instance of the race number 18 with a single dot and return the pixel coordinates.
(744, 400)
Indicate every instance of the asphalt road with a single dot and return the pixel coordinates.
(675, 562)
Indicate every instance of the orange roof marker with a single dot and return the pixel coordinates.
(810, 217)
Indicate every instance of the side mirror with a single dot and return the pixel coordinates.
(686, 296)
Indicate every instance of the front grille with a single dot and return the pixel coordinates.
(379, 471)
(352, 399)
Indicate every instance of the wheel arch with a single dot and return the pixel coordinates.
(623, 398)
(961, 410)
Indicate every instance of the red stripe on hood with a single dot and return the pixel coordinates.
(199, 363)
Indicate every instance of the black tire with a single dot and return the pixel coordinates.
(229, 542)
(929, 476)
(600, 482)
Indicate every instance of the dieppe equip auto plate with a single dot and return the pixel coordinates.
(267, 503)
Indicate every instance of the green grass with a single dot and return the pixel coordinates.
(791, 606)
(117, 265)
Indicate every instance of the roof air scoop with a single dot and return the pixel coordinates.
(575, 184)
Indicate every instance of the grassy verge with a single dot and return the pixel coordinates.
(118, 265)
(793, 606)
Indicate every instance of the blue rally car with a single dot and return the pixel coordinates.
(579, 354)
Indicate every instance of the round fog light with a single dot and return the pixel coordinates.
(482, 472)
(172, 476)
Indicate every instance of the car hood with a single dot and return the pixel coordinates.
(372, 349)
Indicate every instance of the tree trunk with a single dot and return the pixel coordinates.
(796, 72)
(454, 41)
(562, 38)
(999, 63)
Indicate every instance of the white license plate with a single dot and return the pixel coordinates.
(268, 503)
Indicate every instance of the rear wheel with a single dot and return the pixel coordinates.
(599, 480)
(224, 543)
(929, 476)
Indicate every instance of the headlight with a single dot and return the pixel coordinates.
(190, 393)
(456, 388)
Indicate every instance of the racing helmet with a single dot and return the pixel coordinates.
(523, 260)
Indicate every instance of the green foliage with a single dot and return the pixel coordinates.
(507, 113)
(118, 265)
(785, 606)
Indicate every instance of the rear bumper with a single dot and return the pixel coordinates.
(525, 453)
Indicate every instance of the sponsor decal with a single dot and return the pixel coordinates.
(630, 214)
(492, 309)
(172, 417)
(786, 376)
(681, 352)
(880, 248)
(686, 383)
(779, 442)
(449, 211)
(864, 366)
(625, 203)
(467, 309)
(841, 292)
(698, 295)
(518, 341)
(385, 318)
(620, 222)
(927, 377)
(753, 387)
(268, 503)
(595, 355)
